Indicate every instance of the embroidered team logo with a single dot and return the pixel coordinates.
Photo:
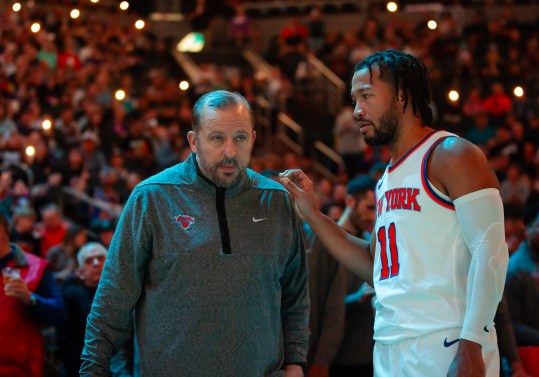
(185, 221)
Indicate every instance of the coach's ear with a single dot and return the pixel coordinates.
(192, 139)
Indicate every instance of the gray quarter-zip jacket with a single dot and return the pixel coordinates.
(216, 280)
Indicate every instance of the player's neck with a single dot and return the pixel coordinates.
(408, 139)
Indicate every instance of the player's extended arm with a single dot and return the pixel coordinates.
(463, 172)
(352, 252)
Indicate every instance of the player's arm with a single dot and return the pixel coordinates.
(352, 252)
(460, 169)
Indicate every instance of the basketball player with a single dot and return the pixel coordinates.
(437, 257)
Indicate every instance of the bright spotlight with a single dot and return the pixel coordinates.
(36, 27)
(119, 95)
(518, 91)
(392, 6)
(184, 85)
(432, 25)
(16, 7)
(124, 5)
(453, 95)
(75, 13)
(30, 151)
(140, 24)
(46, 125)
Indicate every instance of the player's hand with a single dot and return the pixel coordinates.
(292, 370)
(317, 370)
(468, 361)
(302, 190)
(16, 287)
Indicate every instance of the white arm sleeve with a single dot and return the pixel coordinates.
(480, 214)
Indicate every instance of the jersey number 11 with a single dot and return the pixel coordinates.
(391, 238)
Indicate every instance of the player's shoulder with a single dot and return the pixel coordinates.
(454, 151)
(460, 167)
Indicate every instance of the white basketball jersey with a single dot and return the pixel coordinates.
(421, 261)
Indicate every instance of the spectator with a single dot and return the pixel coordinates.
(23, 231)
(354, 355)
(93, 157)
(509, 356)
(349, 142)
(78, 294)
(61, 257)
(52, 228)
(515, 188)
(522, 286)
(498, 104)
(326, 320)
(474, 105)
(482, 132)
(27, 300)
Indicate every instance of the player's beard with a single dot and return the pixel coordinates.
(387, 130)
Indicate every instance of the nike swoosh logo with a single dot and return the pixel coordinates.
(449, 344)
(255, 220)
(485, 328)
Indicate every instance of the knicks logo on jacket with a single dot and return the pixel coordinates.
(403, 198)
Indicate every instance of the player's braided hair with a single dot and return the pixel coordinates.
(407, 73)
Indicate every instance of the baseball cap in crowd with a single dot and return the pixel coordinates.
(90, 135)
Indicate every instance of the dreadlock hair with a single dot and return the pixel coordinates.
(404, 72)
(221, 100)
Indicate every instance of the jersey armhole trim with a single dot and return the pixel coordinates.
(425, 180)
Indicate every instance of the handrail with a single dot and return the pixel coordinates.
(324, 88)
(188, 65)
(284, 124)
(114, 210)
(258, 62)
(328, 73)
(320, 147)
(263, 120)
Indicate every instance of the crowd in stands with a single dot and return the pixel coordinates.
(64, 186)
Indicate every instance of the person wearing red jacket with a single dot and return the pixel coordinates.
(26, 302)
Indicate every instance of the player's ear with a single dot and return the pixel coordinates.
(400, 97)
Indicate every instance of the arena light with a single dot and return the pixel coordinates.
(124, 5)
(453, 95)
(46, 125)
(16, 7)
(184, 85)
(139, 24)
(432, 25)
(119, 95)
(30, 151)
(94, 1)
(392, 6)
(518, 91)
(192, 42)
(75, 13)
(36, 27)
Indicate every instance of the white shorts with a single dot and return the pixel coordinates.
(429, 355)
